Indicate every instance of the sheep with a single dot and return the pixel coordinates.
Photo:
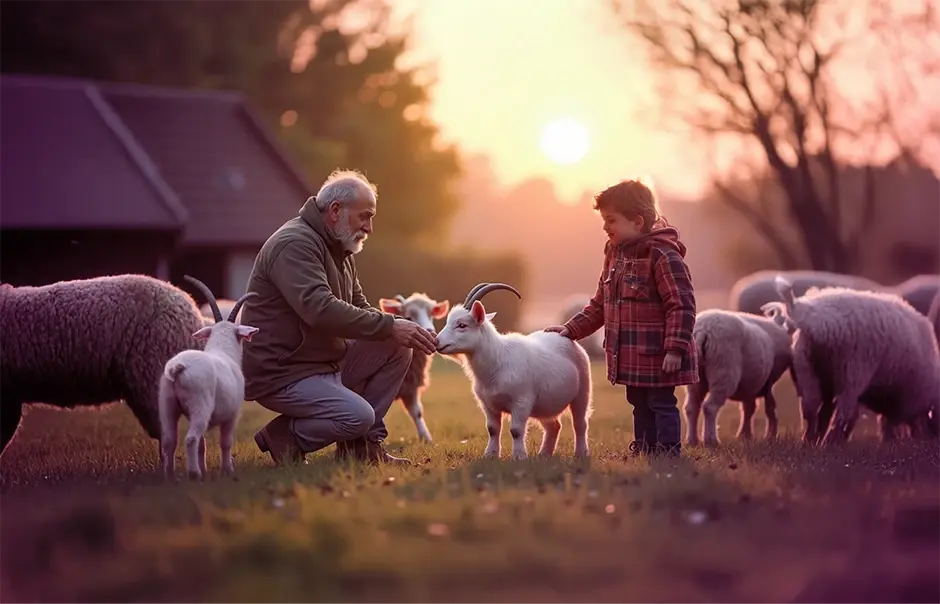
(861, 347)
(919, 291)
(421, 309)
(90, 342)
(742, 357)
(538, 375)
(592, 344)
(753, 291)
(934, 315)
(225, 306)
(207, 386)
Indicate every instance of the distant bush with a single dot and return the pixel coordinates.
(386, 269)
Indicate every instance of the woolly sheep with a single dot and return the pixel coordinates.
(592, 344)
(421, 309)
(538, 375)
(858, 346)
(89, 342)
(750, 293)
(741, 357)
(207, 386)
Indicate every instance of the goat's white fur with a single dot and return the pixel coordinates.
(538, 375)
(421, 309)
(208, 387)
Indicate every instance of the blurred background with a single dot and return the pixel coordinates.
(172, 137)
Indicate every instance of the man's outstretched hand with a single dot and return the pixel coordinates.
(412, 335)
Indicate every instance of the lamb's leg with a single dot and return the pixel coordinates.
(846, 414)
(494, 424)
(552, 429)
(169, 413)
(770, 410)
(692, 408)
(518, 422)
(415, 409)
(226, 442)
(710, 408)
(579, 424)
(748, 408)
(198, 424)
(10, 420)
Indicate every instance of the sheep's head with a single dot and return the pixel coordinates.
(469, 322)
(418, 308)
(226, 327)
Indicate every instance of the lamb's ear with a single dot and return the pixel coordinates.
(203, 334)
(439, 310)
(390, 306)
(245, 332)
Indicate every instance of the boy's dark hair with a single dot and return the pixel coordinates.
(631, 198)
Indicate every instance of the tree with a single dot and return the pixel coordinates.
(333, 89)
(774, 75)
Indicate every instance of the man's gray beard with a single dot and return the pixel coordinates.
(351, 241)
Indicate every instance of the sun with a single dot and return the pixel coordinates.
(565, 141)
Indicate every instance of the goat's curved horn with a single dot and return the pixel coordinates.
(469, 299)
(479, 293)
(208, 294)
(400, 298)
(238, 305)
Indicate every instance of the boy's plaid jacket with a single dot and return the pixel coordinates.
(646, 304)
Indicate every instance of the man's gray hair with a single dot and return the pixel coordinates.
(344, 186)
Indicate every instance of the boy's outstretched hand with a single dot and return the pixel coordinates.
(558, 329)
(672, 362)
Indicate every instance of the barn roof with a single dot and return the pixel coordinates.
(208, 149)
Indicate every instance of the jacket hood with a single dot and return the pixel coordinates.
(312, 216)
(662, 234)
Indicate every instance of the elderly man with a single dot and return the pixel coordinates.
(323, 358)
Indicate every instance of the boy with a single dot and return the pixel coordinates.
(646, 304)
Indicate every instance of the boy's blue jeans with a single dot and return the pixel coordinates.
(655, 415)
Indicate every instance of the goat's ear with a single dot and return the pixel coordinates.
(390, 306)
(478, 312)
(439, 310)
(490, 316)
(203, 334)
(245, 332)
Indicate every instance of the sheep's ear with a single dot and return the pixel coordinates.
(478, 312)
(204, 333)
(439, 310)
(245, 332)
(390, 306)
(490, 316)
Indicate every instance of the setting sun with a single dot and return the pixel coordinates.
(565, 141)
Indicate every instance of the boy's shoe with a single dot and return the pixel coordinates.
(640, 447)
(670, 449)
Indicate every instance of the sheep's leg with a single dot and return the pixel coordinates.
(692, 408)
(846, 414)
(169, 412)
(888, 428)
(748, 408)
(12, 413)
(552, 429)
(226, 442)
(824, 418)
(201, 457)
(809, 389)
(770, 410)
(579, 424)
(494, 425)
(416, 411)
(518, 422)
(198, 424)
(710, 408)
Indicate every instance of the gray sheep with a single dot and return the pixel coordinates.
(89, 342)
(934, 315)
(750, 293)
(421, 309)
(741, 357)
(862, 347)
(919, 291)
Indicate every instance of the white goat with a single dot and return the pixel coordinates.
(422, 310)
(538, 375)
(207, 386)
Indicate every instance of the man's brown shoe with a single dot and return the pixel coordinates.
(376, 453)
(277, 439)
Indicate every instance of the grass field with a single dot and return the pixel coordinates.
(85, 517)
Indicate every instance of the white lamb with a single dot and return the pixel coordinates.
(538, 375)
(207, 386)
(741, 357)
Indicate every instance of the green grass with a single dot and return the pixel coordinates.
(85, 516)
